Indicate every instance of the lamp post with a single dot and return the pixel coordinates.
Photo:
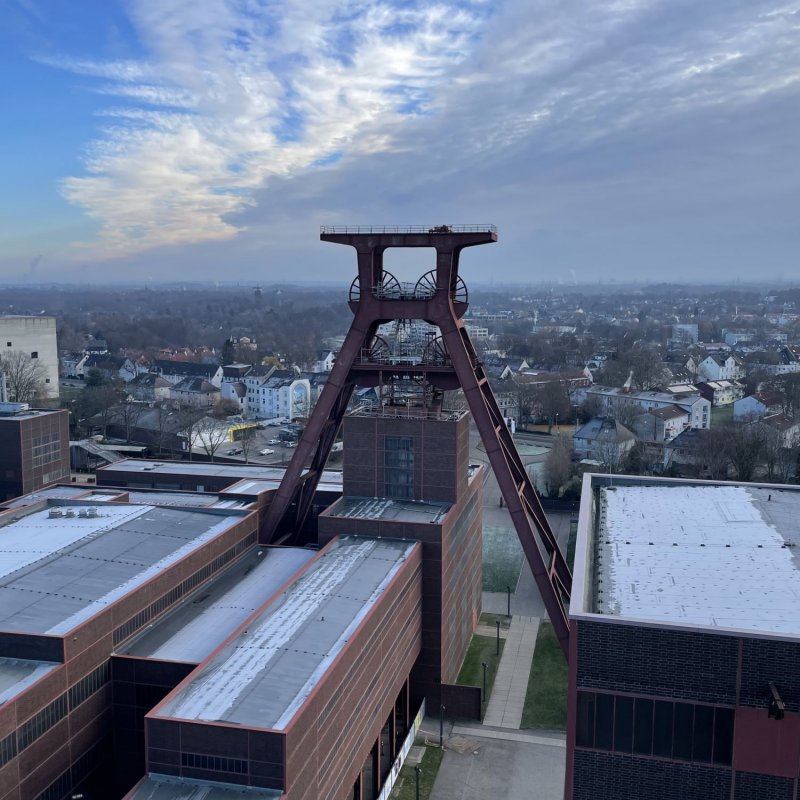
(417, 772)
(508, 595)
(497, 648)
(441, 726)
(484, 665)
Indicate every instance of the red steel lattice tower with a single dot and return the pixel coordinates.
(450, 362)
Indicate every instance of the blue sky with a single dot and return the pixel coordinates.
(169, 139)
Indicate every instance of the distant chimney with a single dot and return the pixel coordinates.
(626, 387)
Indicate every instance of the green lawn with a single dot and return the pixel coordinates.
(405, 788)
(546, 698)
(491, 619)
(721, 415)
(481, 649)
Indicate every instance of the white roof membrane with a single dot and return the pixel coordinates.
(717, 556)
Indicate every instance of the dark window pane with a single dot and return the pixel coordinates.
(682, 731)
(604, 721)
(623, 724)
(584, 733)
(703, 727)
(723, 735)
(662, 729)
(643, 727)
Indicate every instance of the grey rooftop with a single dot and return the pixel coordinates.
(208, 616)
(717, 556)
(18, 674)
(161, 787)
(263, 676)
(55, 573)
(390, 510)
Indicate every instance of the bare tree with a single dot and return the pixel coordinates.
(713, 453)
(745, 446)
(246, 440)
(188, 418)
(553, 399)
(558, 467)
(130, 413)
(25, 376)
(211, 434)
(626, 412)
(648, 368)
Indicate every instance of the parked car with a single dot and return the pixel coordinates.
(274, 441)
(290, 444)
(235, 451)
(266, 452)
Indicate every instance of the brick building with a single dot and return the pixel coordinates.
(151, 648)
(34, 449)
(685, 642)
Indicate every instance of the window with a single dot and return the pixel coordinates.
(398, 466)
(35, 354)
(8, 344)
(623, 724)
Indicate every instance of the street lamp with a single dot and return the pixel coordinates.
(417, 772)
(484, 665)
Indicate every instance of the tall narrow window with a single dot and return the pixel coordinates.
(398, 466)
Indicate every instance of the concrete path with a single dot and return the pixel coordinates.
(511, 682)
(487, 766)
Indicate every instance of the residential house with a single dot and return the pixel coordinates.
(149, 387)
(721, 393)
(197, 392)
(720, 367)
(661, 424)
(325, 361)
(785, 426)
(111, 367)
(605, 440)
(72, 364)
(176, 371)
(757, 405)
(614, 398)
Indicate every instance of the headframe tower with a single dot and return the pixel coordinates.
(447, 362)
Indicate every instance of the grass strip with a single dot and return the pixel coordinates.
(546, 698)
(405, 788)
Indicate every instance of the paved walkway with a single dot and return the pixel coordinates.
(511, 682)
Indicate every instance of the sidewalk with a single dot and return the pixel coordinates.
(511, 682)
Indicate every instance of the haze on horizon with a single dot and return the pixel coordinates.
(628, 140)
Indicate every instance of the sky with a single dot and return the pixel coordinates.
(649, 140)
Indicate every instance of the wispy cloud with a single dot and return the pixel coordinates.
(238, 96)
(233, 94)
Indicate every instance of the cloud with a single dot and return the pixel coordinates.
(243, 108)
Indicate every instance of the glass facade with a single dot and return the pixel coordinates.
(398, 467)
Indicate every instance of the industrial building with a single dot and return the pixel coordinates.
(35, 338)
(35, 449)
(200, 630)
(685, 642)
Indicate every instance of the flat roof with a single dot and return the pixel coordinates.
(162, 787)
(236, 472)
(262, 677)
(158, 497)
(208, 616)
(56, 573)
(17, 674)
(720, 556)
(53, 492)
(392, 510)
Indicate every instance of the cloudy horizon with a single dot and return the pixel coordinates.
(634, 140)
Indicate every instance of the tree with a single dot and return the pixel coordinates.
(554, 402)
(558, 466)
(25, 376)
(525, 401)
(246, 440)
(745, 446)
(211, 435)
(647, 368)
(188, 418)
(130, 412)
